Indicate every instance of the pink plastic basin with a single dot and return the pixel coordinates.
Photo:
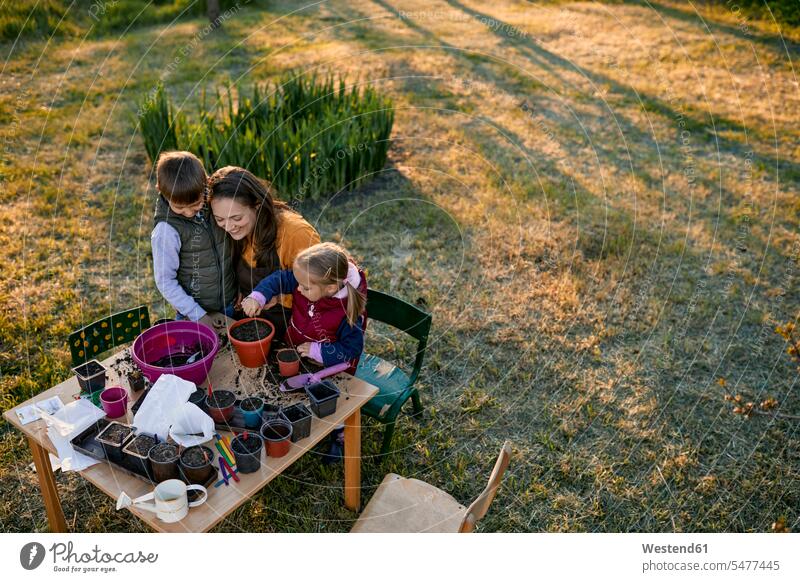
(176, 336)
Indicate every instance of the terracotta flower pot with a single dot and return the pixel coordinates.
(288, 363)
(277, 434)
(249, 341)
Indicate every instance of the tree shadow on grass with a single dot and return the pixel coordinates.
(772, 41)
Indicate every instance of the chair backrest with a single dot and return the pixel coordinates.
(405, 317)
(105, 334)
(480, 506)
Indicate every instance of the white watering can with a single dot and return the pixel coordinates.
(171, 500)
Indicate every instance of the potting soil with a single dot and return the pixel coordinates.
(276, 432)
(248, 445)
(89, 369)
(193, 456)
(221, 399)
(252, 331)
(251, 403)
(176, 359)
(288, 356)
(295, 413)
(164, 452)
(141, 445)
(116, 433)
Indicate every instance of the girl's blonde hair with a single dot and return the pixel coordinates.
(328, 263)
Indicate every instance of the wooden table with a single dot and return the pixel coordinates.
(221, 500)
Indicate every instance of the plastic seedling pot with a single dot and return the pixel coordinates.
(136, 454)
(221, 404)
(136, 380)
(288, 363)
(251, 409)
(113, 439)
(247, 452)
(198, 397)
(114, 401)
(272, 411)
(164, 462)
(196, 466)
(91, 376)
(277, 433)
(323, 397)
(300, 417)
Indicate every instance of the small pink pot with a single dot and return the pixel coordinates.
(114, 401)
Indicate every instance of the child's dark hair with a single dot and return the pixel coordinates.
(249, 190)
(181, 178)
(328, 263)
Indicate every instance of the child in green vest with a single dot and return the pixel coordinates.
(191, 260)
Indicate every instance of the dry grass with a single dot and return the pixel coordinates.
(601, 214)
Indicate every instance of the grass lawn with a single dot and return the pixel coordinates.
(597, 202)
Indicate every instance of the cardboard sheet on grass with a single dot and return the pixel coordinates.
(168, 412)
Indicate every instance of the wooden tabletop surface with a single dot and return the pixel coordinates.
(221, 500)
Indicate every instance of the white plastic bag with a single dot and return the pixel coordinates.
(164, 404)
(66, 424)
(192, 426)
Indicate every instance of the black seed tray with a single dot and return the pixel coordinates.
(88, 445)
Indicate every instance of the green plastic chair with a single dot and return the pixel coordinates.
(395, 385)
(105, 334)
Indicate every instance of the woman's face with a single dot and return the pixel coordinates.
(237, 219)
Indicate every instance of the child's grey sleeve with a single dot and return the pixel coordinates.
(166, 244)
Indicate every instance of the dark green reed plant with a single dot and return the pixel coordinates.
(307, 135)
(158, 123)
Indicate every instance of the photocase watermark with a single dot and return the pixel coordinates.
(99, 9)
(456, 16)
(31, 555)
(67, 559)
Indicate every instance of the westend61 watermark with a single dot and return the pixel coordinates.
(66, 559)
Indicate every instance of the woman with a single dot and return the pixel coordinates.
(267, 234)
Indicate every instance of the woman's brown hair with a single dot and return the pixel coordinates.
(247, 189)
(328, 264)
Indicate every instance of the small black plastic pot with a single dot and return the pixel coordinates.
(300, 417)
(247, 452)
(91, 376)
(164, 462)
(136, 455)
(323, 397)
(112, 447)
(136, 380)
(198, 397)
(271, 412)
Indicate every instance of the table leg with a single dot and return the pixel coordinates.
(352, 461)
(47, 484)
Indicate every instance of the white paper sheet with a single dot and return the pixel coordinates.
(67, 423)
